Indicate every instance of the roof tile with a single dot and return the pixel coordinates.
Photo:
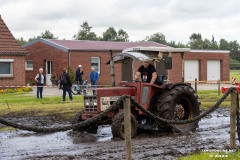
(8, 44)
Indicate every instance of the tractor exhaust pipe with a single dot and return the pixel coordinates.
(112, 70)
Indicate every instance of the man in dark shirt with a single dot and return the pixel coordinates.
(66, 85)
(146, 72)
(79, 74)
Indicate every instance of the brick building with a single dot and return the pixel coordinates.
(12, 58)
(53, 55)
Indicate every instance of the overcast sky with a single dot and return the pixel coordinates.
(176, 19)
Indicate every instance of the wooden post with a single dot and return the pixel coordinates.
(127, 128)
(233, 111)
(196, 85)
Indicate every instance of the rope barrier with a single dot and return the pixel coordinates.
(116, 105)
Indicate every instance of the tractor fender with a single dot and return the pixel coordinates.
(171, 86)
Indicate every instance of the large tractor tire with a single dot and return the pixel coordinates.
(92, 128)
(118, 125)
(179, 103)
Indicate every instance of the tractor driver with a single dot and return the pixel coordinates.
(146, 72)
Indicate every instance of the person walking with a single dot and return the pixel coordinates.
(94, 76)
(65, 85)
(79, 74)
(40, 81)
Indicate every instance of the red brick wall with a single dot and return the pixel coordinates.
(84, 58)
(204, 57)
(41, 52)
(18, 72)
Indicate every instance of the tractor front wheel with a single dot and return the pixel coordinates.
(92, 128)
(118, 125)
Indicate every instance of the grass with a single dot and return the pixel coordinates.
(209, 97)
(22, 104)
(235, 73)
(213, 156)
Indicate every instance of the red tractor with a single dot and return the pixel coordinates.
(171, 101)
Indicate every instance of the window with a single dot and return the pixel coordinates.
(29, 65)
(95, 62)
(6, 67)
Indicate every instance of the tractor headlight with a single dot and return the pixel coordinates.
(95, 103)
(87, 103)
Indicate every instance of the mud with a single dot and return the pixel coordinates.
(213, 133)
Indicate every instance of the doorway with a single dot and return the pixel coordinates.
(48, 72)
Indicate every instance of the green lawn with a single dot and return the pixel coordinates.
(23, 104)
(235, 73)
(213, 156)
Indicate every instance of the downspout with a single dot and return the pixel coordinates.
(112, 70)
(69, 59)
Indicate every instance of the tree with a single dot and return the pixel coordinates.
(85, 33)
(122, 36)
(157, 37)
(214, 44)
(47, 35)
(224, 45)
(21, 41)
(110, 34)
(195, 36)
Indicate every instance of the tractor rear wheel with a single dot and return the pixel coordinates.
(118, 125)
(92, 128)
(179, 103)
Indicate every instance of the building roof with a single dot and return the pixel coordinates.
(209, 51)
(8, 44)
(85, 45)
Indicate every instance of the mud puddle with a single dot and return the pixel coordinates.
(213, 133)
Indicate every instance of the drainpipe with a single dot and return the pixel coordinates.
(69, 59)
(112, 70)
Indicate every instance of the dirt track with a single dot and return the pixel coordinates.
(213, 133)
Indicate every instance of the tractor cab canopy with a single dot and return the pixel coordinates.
(146, 53)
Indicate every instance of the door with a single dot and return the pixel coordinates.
(191, 70)
(213, 70)
(48, 72)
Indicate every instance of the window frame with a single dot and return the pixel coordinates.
(11, 67)
(99, 64)
(26, 68)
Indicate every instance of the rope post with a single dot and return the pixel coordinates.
(127, 128)
(233, 111)
(196, 85)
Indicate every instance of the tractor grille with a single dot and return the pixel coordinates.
(90, 103)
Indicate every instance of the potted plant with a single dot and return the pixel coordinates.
(54, 79)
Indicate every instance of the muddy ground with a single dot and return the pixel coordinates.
(213, 133)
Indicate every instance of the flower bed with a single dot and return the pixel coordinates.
(12, 90)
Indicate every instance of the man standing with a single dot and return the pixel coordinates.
(94, 76)
(40, 81)
(79, 74)
(147, 73)
(65, 85)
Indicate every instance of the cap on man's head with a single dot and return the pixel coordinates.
(79, 66)
(40, 69)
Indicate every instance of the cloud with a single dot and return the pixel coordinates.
(177, 20)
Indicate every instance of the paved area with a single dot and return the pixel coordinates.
(54, 91)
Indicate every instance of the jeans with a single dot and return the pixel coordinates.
(39, 90)
(69, 93)
(94, 83)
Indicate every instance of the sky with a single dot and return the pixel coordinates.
(176, 19)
